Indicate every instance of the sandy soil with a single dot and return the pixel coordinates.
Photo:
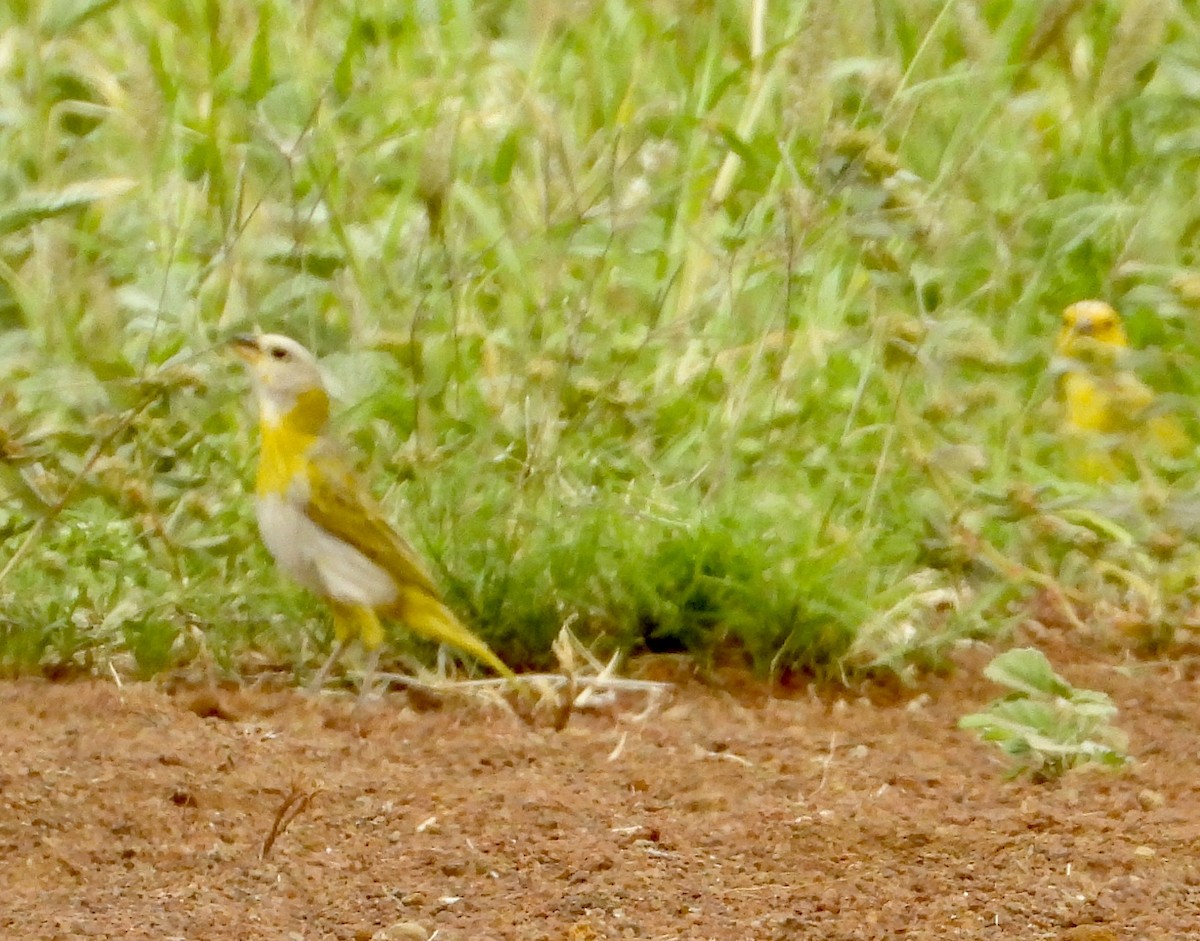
(136, 813)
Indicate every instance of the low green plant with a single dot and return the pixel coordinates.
(1046, 725)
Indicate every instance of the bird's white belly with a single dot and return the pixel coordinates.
(319, 560)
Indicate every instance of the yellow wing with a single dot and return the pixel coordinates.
(1169, 435)
(340, 505)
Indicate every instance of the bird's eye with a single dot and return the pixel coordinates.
(279, 353)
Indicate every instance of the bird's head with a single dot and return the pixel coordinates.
(287, 379)
(1090, 325)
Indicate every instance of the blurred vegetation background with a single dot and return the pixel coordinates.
(720, 327)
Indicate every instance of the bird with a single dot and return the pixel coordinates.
(322, 527)
(1110, 412)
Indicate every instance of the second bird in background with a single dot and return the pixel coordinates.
(1111, 417)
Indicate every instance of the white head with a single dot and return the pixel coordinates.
(283, 371)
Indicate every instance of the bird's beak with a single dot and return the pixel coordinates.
(245, 347)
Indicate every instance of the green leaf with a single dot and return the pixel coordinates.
(343, 72)
(259, 82)
(33, 208)
(1047, 726)
(736, 144)
(66, 15)
(1026, 669)
(506, 156)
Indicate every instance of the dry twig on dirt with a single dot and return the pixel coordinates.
(294, 804)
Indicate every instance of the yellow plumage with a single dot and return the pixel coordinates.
(320, 524)
(1108, 412)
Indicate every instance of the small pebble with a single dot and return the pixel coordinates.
(1089, 933)
(401, 931)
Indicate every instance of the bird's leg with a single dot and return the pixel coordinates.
(364, 691)
(318, 681)
(370, 632)
(345, 628)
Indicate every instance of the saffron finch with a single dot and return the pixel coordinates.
(1108, 411)
(321, 526)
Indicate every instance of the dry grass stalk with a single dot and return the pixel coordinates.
(1136, 43)
(583, 682)
(293, 805)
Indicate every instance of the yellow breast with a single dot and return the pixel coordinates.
(282, 461)
(1088, 406)
(287, 443)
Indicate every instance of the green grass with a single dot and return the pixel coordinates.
(716, 327)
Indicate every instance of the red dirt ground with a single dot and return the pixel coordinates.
(132, 813)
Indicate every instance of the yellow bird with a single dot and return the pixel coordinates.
(1107, 408)
(320, 525)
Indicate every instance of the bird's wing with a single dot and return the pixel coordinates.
(339, 503)
(1131, 395)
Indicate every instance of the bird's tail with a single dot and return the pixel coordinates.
(430, 618)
